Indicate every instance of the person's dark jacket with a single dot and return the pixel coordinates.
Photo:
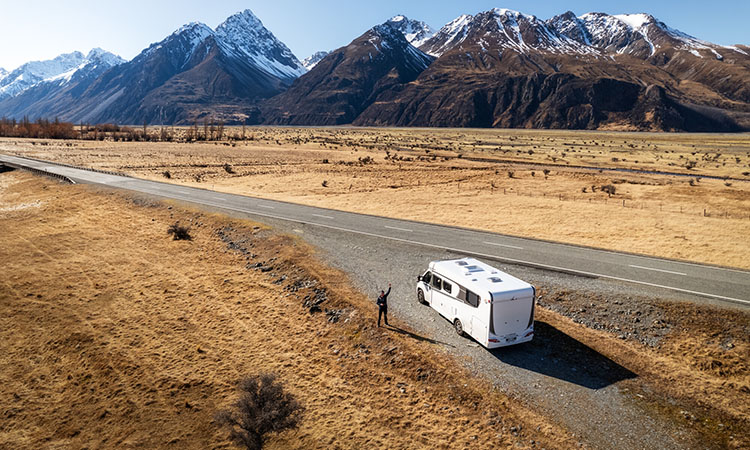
(383, 299)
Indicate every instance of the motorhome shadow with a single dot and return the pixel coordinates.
(494, 308)
(557, 355)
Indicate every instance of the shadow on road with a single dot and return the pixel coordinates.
(416, 336)
(555, 354)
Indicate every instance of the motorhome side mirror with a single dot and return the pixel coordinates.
(419, 277)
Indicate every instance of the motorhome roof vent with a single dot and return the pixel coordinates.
(462, 263)
(496, 280)
(472, 269)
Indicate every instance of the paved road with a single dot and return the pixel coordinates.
(692, 280)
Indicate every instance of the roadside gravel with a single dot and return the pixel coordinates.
(555, 373)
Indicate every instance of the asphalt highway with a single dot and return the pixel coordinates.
(694, 280)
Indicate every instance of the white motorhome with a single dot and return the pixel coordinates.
(493, 307)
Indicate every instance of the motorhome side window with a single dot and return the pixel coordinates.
(447, 287)
(437, 282)
(472, 299)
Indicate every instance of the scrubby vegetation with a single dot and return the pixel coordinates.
(263, 407)
(179, 232)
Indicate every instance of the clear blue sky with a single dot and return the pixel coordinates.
(41, 29)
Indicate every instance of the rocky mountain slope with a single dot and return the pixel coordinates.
(59, 70)
(498, 68)
(348, 80)
(502, 68)
(56, 93)
(194, 73)
(312, 60)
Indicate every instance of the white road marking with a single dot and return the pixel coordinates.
(399, 229)
(658, 270)
(323, 217)
(504, 245)
(220, 199)
(266, 206)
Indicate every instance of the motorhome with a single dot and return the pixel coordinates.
(494, 308)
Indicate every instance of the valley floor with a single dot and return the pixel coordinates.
(114, 335)
(606, 190)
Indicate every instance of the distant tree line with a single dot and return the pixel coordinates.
(56, 129)
(41, 128)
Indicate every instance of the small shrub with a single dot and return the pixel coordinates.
(325, 161)
(546, 172)
(228, 168)
(533, 174)
(511, 174)
(609, 189)
(179, 232)
(325, 183)
(166, 174)
(261, 409)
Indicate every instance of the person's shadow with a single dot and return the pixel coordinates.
(416, 336)
(555, 354)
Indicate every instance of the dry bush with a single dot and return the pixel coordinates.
(261, 409)
(610, 189)
(179, 232)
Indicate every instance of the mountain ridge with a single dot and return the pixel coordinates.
(496, 68)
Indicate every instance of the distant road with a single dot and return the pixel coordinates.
(717, 283)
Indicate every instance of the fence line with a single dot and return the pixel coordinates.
(627, 203)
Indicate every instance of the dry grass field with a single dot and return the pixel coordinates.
(601, 189)
(113, 335)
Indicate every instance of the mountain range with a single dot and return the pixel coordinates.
(498, 68)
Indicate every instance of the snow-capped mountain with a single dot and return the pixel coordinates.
(415, 32)
(245, 33)
(595, 34)
(176, 79)
(3, 73)
(498, 68)
(499, 29)
(640, 35)
(60, 69)
(35, 72)
(313, 60)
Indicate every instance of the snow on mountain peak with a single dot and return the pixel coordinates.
(636, 21)
(60, 69)
(99, 56)
(245, 34)
(416, 32)
(451, 35)
(512, 13)
(313, 60)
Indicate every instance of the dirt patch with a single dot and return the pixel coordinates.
(115, 335)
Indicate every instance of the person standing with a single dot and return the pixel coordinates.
(383, 305)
